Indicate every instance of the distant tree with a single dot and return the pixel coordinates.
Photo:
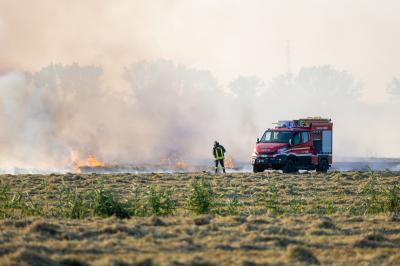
(322, 86)
(180, 104)
(162, 80)
(244, 86)
(325, 82)
(319, 80)
(66, 82)
(53, 111)
(243, 110)
(70, 100)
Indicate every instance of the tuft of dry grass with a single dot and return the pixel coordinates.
(301, 254)
(25, 257)
(43, 228)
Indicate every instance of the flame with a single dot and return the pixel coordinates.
(181, 165)
(93, 162)
(229, 163)
(90, 161)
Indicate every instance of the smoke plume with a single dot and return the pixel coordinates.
(88, 78)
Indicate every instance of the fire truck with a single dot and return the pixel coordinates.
(302, 144)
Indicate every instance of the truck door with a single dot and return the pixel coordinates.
(327, 142)
(302, 149)
(317, 141)
(307, 153)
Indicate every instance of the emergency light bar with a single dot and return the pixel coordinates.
(286, 123)
(303, 122)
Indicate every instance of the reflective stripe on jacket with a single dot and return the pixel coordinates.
(219, 153)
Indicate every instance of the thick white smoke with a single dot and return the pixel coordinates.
(227, 86)
(172, 110)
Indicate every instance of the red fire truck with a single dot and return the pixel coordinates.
(295, 144)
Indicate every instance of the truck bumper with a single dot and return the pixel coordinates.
(269, 162)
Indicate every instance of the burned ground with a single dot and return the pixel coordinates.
(253, 219)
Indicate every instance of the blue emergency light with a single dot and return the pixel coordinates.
(286, 124)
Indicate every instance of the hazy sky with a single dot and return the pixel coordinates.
(227, 37)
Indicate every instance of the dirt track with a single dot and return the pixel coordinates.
(320, 223)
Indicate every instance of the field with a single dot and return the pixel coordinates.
(340, 218)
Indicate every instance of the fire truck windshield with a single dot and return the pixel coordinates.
(276, 136)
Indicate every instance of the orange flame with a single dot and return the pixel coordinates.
(229, 163)
(91, 161)
(181, 165)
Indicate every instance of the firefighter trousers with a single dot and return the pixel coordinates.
(221, 162)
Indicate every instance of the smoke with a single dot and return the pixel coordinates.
(173, 110)
(222, 79)
(62, 110)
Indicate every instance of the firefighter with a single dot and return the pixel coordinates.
(218, 153)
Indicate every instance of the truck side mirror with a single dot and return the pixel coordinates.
(290, 142)
(258, 140)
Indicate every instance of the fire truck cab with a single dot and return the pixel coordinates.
(295, 144)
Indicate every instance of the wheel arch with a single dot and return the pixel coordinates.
(323, 158)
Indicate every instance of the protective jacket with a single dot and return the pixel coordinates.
(218, 152)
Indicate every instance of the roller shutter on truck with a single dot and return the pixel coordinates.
(327, 142)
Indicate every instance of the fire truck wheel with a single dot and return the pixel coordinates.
(289, 167)
(256, 168)
(323, 166)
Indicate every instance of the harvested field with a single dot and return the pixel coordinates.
(200, 219)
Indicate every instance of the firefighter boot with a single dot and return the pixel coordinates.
(223, 169)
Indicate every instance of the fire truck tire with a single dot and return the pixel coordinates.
(323, 166)
(289, 167)
(257, 168)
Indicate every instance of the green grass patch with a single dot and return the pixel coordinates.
(201, 199)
